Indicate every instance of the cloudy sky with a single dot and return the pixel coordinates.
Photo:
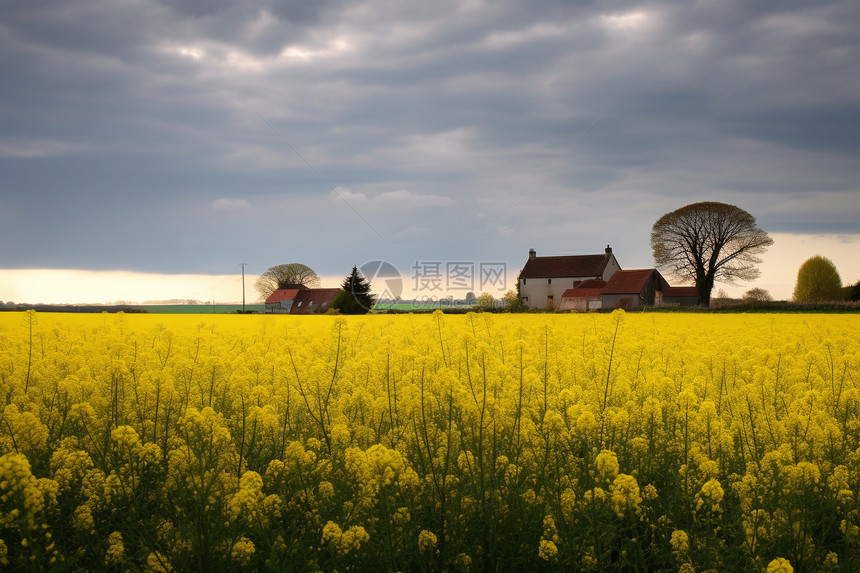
(178, 139)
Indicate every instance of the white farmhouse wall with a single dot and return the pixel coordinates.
(538, 290)
(611, 266)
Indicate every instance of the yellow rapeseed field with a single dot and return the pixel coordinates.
(623, 442)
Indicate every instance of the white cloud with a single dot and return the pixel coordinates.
(306, 53)
(345, 194)
(225, 204)
(397, 198)
(625, 20)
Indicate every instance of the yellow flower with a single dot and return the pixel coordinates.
(625, 494)
(325, 490)
(83, 519)
(116, 549)
(242, 551)
(157, 563)
(680, 542)
(607, 465)
(779, 565)
(426, 541)
(341, 541)
(710, 496)
(547, 550)
(568, 504)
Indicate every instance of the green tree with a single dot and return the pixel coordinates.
(818, 281)
(708, 242)
(854, 294)
(354, 297)
(485, 301)
(758, 295)
(513, 301)
(285, 276)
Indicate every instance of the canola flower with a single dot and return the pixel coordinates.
(605, 442)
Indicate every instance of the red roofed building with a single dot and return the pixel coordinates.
(630, 290)
(313, 300)
(633, 289)
(586, 296)
(678, 296)
(300, 300)
(544, 280)
(280, 301)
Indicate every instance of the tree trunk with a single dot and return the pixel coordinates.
(704, 286)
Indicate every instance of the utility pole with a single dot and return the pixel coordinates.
(243, 286)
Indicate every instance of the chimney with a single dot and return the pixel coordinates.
(532, 253)
(608, 250)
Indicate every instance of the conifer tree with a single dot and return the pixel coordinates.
(354, 297)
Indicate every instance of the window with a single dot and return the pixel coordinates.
(524, 281)
(549, 281)
(300, 303)
(525, 299)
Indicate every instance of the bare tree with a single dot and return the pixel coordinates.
(285, 276)
(708, 242)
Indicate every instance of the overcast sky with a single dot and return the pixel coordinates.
(187, 137)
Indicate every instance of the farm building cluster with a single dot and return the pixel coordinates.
(590, 282)
(557, 283)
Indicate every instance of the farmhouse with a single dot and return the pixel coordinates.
(300, 300)
(544, 280)
(591, 282)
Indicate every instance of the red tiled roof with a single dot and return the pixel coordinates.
(680, 291)
(628, 282)
(313, 300)
(282, 294)
(591, 288)
(566, 266)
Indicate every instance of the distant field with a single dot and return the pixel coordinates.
(199, 308)
(420, 305)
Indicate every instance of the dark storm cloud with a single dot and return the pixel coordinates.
(194, 132)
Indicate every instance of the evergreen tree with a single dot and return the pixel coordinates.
(354, 297)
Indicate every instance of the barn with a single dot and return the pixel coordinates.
(633, 289)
